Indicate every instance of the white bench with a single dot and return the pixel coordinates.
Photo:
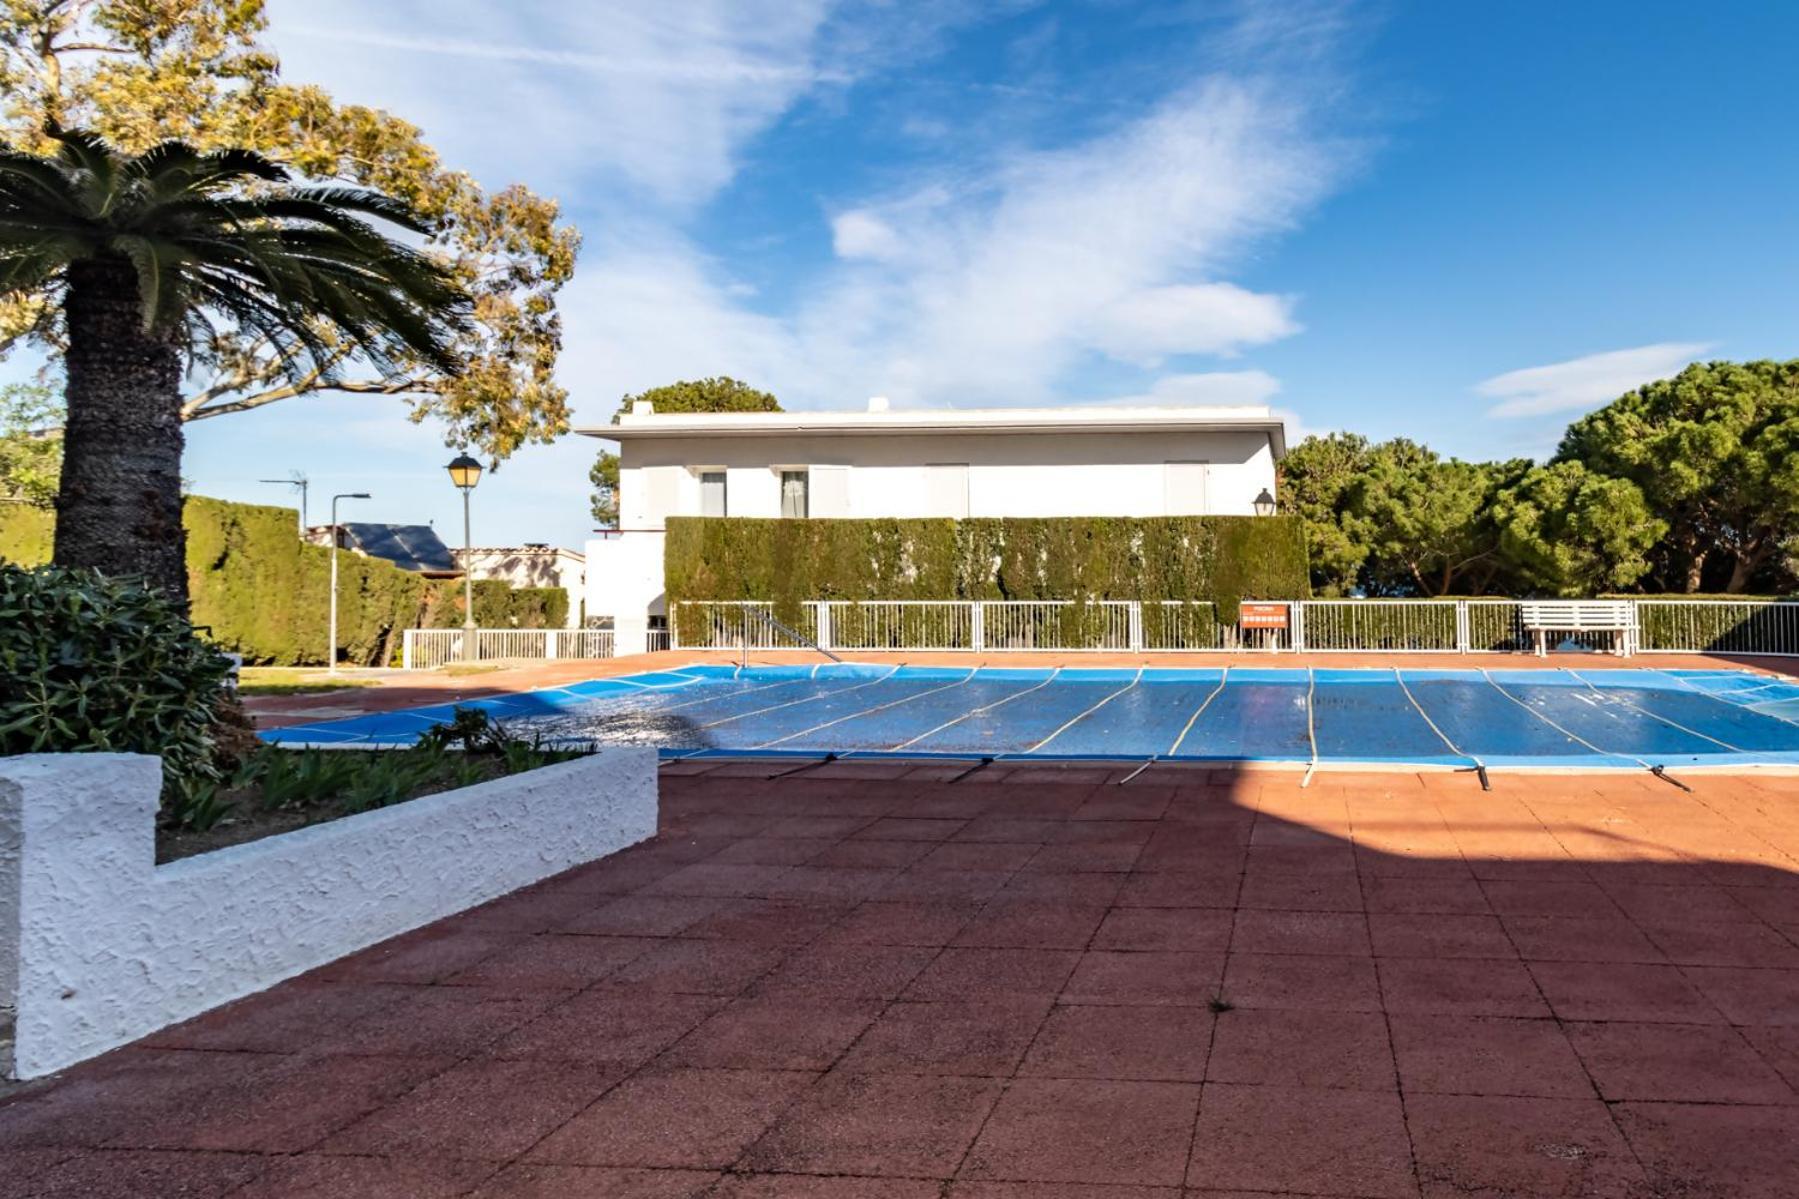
(1618, 617)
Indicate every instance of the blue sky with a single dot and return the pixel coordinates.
(1465, 224)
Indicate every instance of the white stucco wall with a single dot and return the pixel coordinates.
(101, 946)
(886, 474)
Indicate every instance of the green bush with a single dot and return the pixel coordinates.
(90, 664)
(1217, 559)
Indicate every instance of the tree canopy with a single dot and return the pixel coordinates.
(1687, 484)
(717, 394)
(30, 444)
(139, 73)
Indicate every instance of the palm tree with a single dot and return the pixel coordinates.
(139, 255)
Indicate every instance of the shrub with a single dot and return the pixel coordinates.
(1215, 559)
(95, 664)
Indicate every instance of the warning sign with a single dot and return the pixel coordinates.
(1261, 616)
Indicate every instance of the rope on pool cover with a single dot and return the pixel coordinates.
(1735, 749)
(1311, 724)
(982, 710)
(1658, 771)
(1090, 711)
(1726, 696)
(1194, 719)
(1480, 767)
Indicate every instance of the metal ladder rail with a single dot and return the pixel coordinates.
(768, 618)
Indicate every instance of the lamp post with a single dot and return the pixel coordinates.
(1264, 503)
(331, 650)
(465, 472)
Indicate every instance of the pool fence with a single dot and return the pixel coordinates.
(1386, 626)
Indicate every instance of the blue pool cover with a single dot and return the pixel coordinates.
(1457, 718)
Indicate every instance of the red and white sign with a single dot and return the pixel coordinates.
(1261, 616)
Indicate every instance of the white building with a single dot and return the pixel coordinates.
(534, 564)
(1101, 461)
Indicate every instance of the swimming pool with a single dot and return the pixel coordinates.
(1453, 718)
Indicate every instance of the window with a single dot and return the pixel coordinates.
(795, 493)
(712, 493)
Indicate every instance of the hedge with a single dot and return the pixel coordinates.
(1221, 559)
(264, 593)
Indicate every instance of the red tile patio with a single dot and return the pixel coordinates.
(871, 982)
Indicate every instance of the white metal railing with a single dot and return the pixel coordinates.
(424, 649)
(1769, 627)
(1471, 626)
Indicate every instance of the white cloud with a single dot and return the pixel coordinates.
(1199, 318)
(1209, 388)
(861, 234)
(1582, 383)
(660, 97)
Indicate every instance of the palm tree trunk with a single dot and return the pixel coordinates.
(119, 507)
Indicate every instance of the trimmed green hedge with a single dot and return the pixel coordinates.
(1221, 559)
(264, 593)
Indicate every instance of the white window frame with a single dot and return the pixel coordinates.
(701, 473)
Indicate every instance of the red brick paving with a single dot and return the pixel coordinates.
(876, 984)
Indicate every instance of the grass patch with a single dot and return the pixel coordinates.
(456, 670)
(286, 680)
(275, 790)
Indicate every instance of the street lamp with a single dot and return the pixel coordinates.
(331, 650)
(465, 472)
(1264, 503)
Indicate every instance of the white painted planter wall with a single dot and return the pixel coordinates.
(100, 946)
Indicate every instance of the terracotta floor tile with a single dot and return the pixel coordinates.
(1459, 987)
(986, 974)
(844, 883)
(608, 1029)
(1197, 930)
(454, 1114)
(1031, 924)
(1538, 898)
(1302, 893)
(1779, 1047)
(877, 1124)
(290, 1019)
(873, 855)
(1179, 889)
(942, 886)
(1676, 905)
(978, 855)
(1714, 1149)
(1072, 890)
(1303, 1049)
(1424, 896)
(1344, 933)
(1623, 991)
(1315, 1142)
(1055, 1130)
(522, 1181)
(972, 1039)
(1486, 1055)
(1301, 983)
(644, 916)
(324, 1176)
(1738, 943)
(1512, 1146)
(1568, 939)
(880, 922)
(800, 1186)
(550, 961)
(1190, 979)
(776, 1032)
(1102, 858)
(767, 921)
(450, 1021)
(852, 971)
(1698, 1063)
(1166, 1044)
(1066, 1190)
(697, 967)
(675, 1118)
(723, 880)
(910, 828)
(1439, 935)
(290, 1105)
(425, 956)
(1749, 996)
(137, 1174)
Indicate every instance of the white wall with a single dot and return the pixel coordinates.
(886, 474)
(889, 474)
(100, 946)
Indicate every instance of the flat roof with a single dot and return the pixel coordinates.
(1096, 419)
